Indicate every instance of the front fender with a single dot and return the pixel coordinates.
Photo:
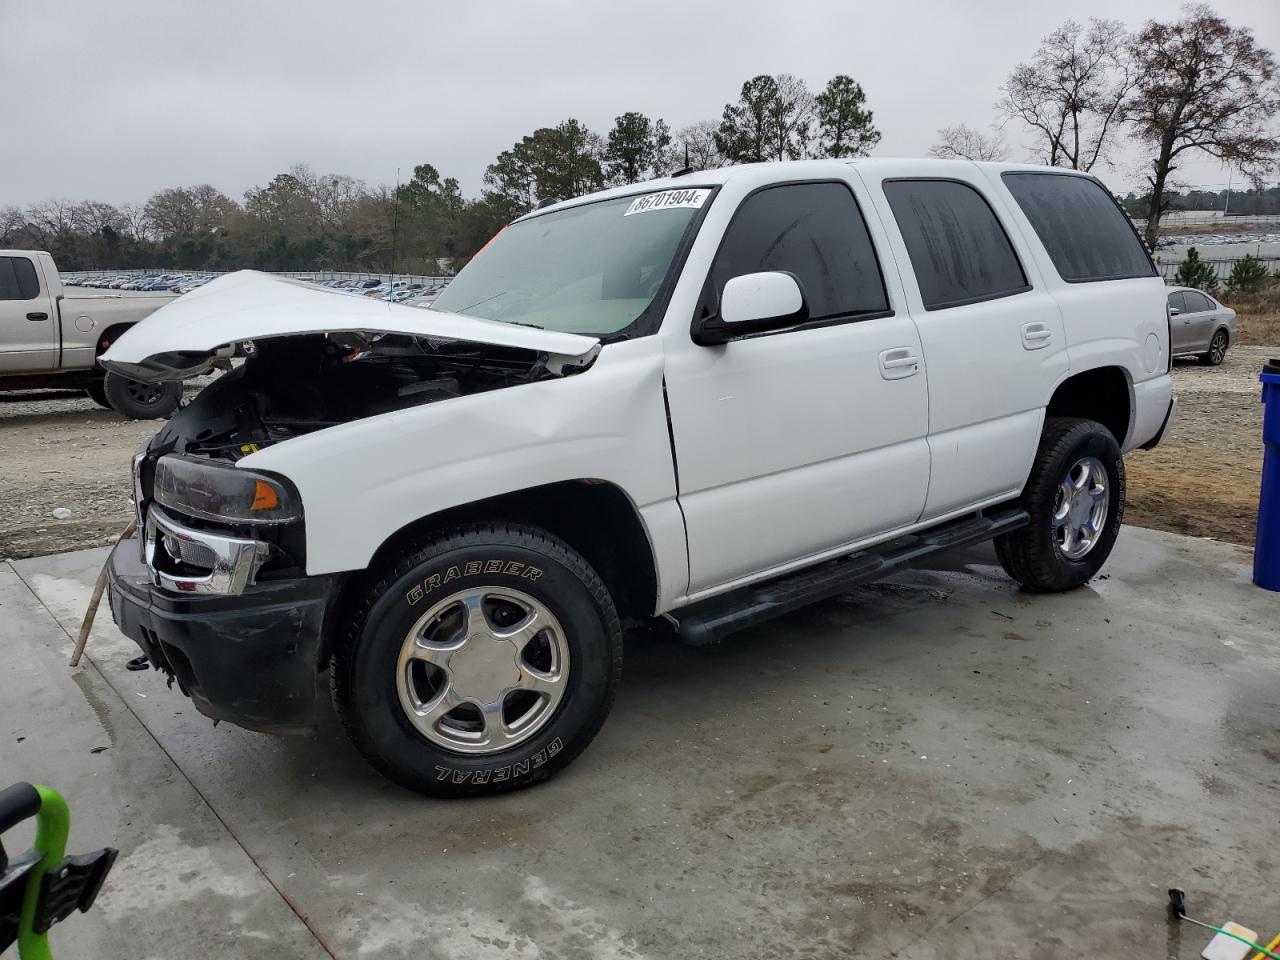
(361, 482)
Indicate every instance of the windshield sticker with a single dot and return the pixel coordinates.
(666, 200)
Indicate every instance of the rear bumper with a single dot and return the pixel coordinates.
(1170, 415)
(251, 658)
(1153, 410)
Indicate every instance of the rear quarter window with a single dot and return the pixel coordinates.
(1085, 233)
(959, 251)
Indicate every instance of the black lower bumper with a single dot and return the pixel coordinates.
(251, 658)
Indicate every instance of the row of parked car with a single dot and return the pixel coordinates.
(399, 291)
(165, 282)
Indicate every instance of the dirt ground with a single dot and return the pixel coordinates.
(62, 450)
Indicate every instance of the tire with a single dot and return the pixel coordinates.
(504, 568)
(98, 394)
(141, 401)
(1217, 351)
(1071, 449)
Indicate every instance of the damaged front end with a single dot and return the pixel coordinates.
(215, 590)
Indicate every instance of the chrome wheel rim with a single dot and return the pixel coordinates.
(1080, 508)
(1218, 349)
(483, 670)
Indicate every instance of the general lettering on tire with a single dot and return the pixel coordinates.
(510, 568)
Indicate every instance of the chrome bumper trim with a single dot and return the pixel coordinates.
(235, 560)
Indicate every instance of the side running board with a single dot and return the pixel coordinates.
(710, 620)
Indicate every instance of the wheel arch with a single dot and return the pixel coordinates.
(109, 336)
(596, 518)
(1102, 393)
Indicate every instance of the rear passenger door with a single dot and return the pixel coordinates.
(993, 340)
(1179, 323)
(1199, 319)
(28, 327)
(1112, 299)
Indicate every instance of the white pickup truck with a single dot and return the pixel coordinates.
(712, 399)
(52, 336)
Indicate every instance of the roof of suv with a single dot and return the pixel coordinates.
(798, 168)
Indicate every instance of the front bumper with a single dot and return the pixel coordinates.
(249, 658)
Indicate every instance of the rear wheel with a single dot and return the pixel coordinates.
(482, 661)
(1217, 351)
(98, 393)
(141, 401)
(1075, 498)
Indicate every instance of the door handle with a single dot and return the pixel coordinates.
(37, 316)
(1036, 335)
(898, 362)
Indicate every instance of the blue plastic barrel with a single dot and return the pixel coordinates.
(1266, 545)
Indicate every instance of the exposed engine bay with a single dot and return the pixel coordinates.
(289, 386)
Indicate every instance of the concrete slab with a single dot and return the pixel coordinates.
(938, 765)
(182, 885)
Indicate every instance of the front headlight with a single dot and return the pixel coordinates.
(212, 491)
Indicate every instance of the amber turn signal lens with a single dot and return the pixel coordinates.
(264, 496)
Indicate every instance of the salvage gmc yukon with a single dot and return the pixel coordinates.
(712, 399)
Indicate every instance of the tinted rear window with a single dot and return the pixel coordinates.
(1084, 231)
(18, 279)
(958, 249)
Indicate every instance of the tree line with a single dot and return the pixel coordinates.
(302, 220)
(1193, 85)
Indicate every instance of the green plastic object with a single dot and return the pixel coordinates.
(53, 825)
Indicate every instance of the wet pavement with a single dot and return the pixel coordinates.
(934, 766)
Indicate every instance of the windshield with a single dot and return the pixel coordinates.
(592, 269)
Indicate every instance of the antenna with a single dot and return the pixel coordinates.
(395, 232)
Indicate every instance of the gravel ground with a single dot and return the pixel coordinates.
(62, 450)
(1203, 480)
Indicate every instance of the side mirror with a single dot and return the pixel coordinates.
(754, 303)
(1174, 311)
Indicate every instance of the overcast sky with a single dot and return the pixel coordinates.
(114, 100)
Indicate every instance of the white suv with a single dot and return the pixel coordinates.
(712, 398)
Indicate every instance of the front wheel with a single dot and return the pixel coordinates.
(482, 661)
(1217, 351)
(141, 401)
(1075, 498)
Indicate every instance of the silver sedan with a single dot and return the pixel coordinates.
(1200, 325)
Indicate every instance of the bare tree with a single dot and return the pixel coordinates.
(791, 119)
(1072, 92)
(91, 216)
(698, 141)
(12, 220)
(133, 219)
(1202, 85)
(50, 219)
(964, 143)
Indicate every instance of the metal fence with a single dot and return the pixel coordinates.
(1221, 268)
(1173, 220)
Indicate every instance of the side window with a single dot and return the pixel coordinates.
(815, 231)
(1085, 232)
(1198, 302)
(959, 251)
(1178, 300)
(18, 279)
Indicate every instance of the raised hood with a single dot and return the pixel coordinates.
(182, 338)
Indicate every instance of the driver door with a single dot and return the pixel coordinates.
(796, 444)
(28, 328)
